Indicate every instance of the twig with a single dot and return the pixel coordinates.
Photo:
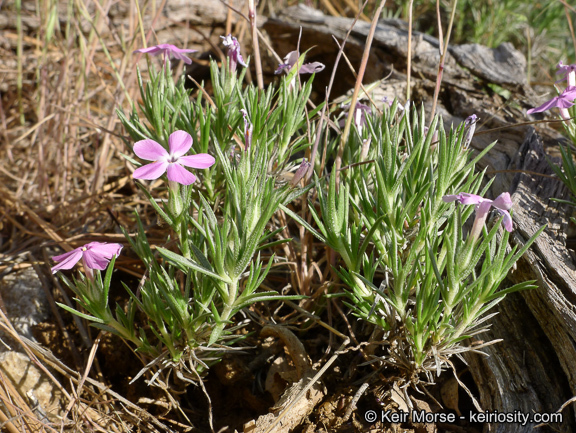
(257, 60)
(409, 65)
(354, 401)
(327, 98)
(361, 71)
(443, 51)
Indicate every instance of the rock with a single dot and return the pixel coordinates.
(41, 394)
(25, 301)
(502, 65)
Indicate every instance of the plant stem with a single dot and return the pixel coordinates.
(227, 312)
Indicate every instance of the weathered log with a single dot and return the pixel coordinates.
(534, 369)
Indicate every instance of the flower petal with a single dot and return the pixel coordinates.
(557, 101)
(179, 142)
(282, 67)
(291, 58)
(450, 198)
(166, 47)
(507, 221)
(201, 160)
(93, 260)
(183, 50)
(67, 260)
(311, 68)
(182, 57)
(150, 150)
(177, 173)
(150, 50)
(569, 93)
(150, 171)
(466, 198)
(482, 209)
(503, 201)
(228, 41)
(104, 249)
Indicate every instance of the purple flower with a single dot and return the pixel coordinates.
(562, 101)
(502, 203)
(179, 142)
(168, 50)
(470, 123)
(94, 255)
(359, 115)
(569, 73)
(233, 54)
(292, 58)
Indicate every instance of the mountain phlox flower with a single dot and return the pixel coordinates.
(562, 101)
(168, 50)
(94, 255)
(292, 58)
(233, 54)
(171, 162)
(359, 115)
(569, 73)
(502, 203)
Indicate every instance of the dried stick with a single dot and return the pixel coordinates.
(257, 60)
(361, 71)
(409, 66)
(443, 51)
(328, 91)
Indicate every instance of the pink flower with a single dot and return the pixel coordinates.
(233, 54)
(502, 203)
(562, 101)
(179, 143)
(569, 73)
(292, 58)
(168, 50)
(94, 255)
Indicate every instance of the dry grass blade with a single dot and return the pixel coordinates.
(98, 412)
